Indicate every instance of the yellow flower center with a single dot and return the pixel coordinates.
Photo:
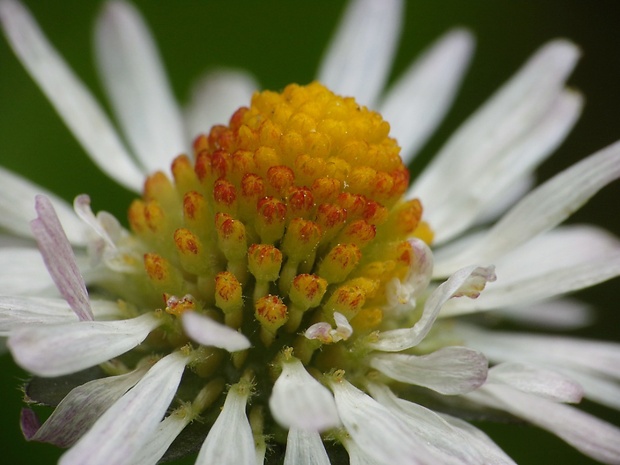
(291, 213)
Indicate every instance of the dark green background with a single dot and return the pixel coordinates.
(282, 42)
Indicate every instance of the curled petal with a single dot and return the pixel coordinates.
(466, 281)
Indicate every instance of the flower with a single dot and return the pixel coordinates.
(284, 274)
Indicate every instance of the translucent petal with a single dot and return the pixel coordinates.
(126, 426)
(449, 371)
(136, 83)
(305, 448)
(218, 448)
(55, 350)
(73, 102)
(358, 60)
(415, 104)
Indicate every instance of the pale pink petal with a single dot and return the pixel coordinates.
(60, 259)
(126, 426)
(79, 410)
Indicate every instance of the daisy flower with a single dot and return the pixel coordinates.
(282, 291)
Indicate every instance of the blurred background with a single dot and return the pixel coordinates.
(282, 42)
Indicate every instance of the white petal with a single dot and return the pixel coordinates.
(73, 102)
(300, 401)
(160, 440)
(209, 332)
(449, 371)
(126, 426)
(542, 209)
(215, 97)
(59, 258)
(509, 115)
(593, 437)
(356, 455)
(598, 388)
(557, 314)
(506, 199)
(400, 339)
(136, 83)
(359, 57)
(550, 265)
(448, 441)
(415, 104)
(19, 311)
(22, 271)
(582, 354)
(514, 158)
(218, 448)
(544, 383)
(479, 440)
(16, 211)
(81, 205)
(376, 430)
(59, 349)
(305, 448)
(79, 410)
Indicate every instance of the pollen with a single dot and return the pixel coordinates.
(288, 218)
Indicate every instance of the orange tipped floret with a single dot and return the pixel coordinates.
(290, 213)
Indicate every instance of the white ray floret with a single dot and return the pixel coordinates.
(59, 349)
(357, 63)
(300, 401)
(136, 83)
(73, 102)
(126, 426)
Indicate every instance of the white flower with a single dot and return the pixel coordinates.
(290, 261)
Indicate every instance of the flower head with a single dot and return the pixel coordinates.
(281, 286)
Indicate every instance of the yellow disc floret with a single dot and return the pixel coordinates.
(290, 214)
